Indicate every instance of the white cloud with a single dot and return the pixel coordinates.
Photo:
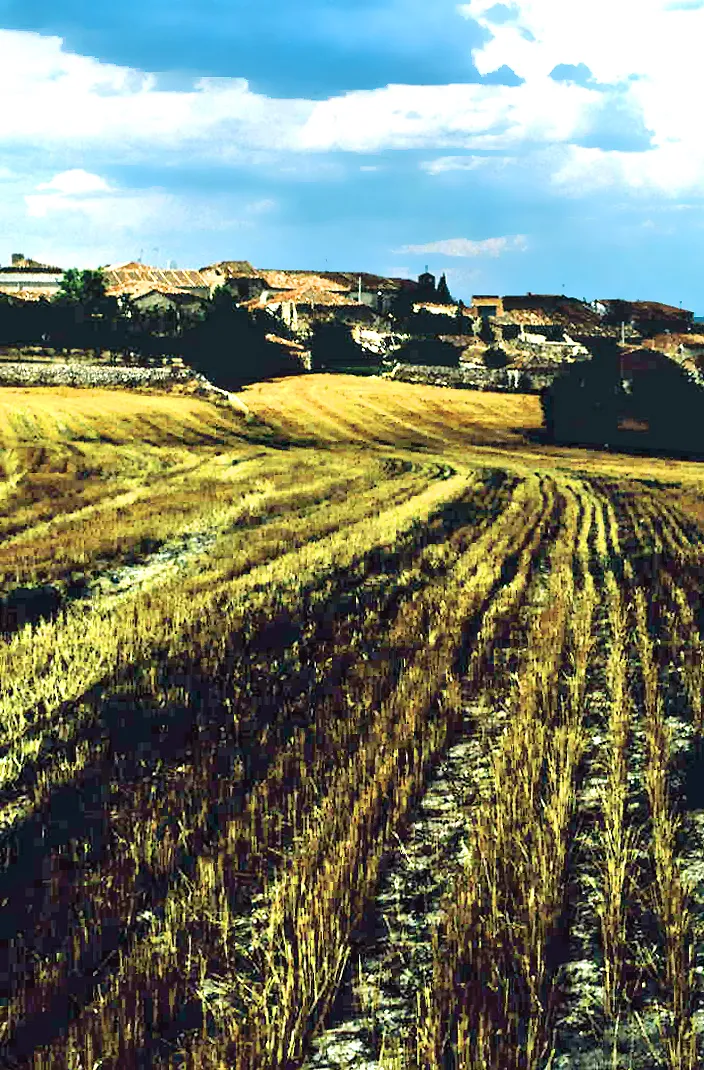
(671, 170)
(70, 101)
(64, 99)
(129, 211)
(464, 163)
(76, 181)
(467, 116)
(467, 247)
(647, 51)
(79, 197)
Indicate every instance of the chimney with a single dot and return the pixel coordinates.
(17, 258)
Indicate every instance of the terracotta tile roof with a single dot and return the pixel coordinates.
(645, 310)
(306, 294)
(291, 280)
(139, 289)
(231, 269)
(673, 340)
(179, 296)
(370, 282)
(336, 280)
(528, 317)
(128, 277)
(550, 308)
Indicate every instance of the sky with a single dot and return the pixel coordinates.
(532, 145)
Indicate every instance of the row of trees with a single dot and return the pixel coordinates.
(225, 342)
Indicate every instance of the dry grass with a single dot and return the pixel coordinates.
(260, 717)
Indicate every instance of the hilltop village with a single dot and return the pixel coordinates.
(410, 328)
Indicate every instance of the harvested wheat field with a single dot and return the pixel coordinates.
(363, 731)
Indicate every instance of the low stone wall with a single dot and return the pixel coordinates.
(474, 377)
(95, 375)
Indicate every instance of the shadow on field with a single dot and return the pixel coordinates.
(690, 767)
(28, 605)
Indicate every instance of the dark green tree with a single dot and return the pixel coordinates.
(85, 289)
(332, 346)
(85, 316)
(495, 357)
(431, 352)
(583, 404)
(229, 346)
(443, 292)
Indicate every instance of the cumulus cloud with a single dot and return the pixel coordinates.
(467, 115)
(75, 181)
(467, 247)
(69, 99)
(671, 169)
(591, 91)
(114, 213)
(643, 58)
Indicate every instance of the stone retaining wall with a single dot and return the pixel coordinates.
(510, 380)
(95, 375)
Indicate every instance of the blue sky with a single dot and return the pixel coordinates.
(516, 146)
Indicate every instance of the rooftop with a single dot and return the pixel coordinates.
(645, 309)
(232, 269)
(124, 278)
(178, 296)
(305, 294)
(292, 280)
(24, 264)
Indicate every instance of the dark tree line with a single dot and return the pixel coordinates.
(227, 343)
(656, 406)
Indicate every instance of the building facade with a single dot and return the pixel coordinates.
(30, 276)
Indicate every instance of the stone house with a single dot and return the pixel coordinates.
(30, 277)
(487, 306)
(238, 276)
(168, 309)
(647, 318)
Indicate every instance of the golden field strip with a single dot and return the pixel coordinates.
(271, 628)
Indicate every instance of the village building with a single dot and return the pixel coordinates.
(355, 298)
(626, 396)
(29, 278)
(647, 318)
(162, 300)
(238, 276)
(168, 310)
(134, 279)
(435, 309)
(487, 306)
(299, 306)
(377, 292)
(540, 318)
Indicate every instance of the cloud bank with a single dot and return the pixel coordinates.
(601, 82)
(467, 247)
